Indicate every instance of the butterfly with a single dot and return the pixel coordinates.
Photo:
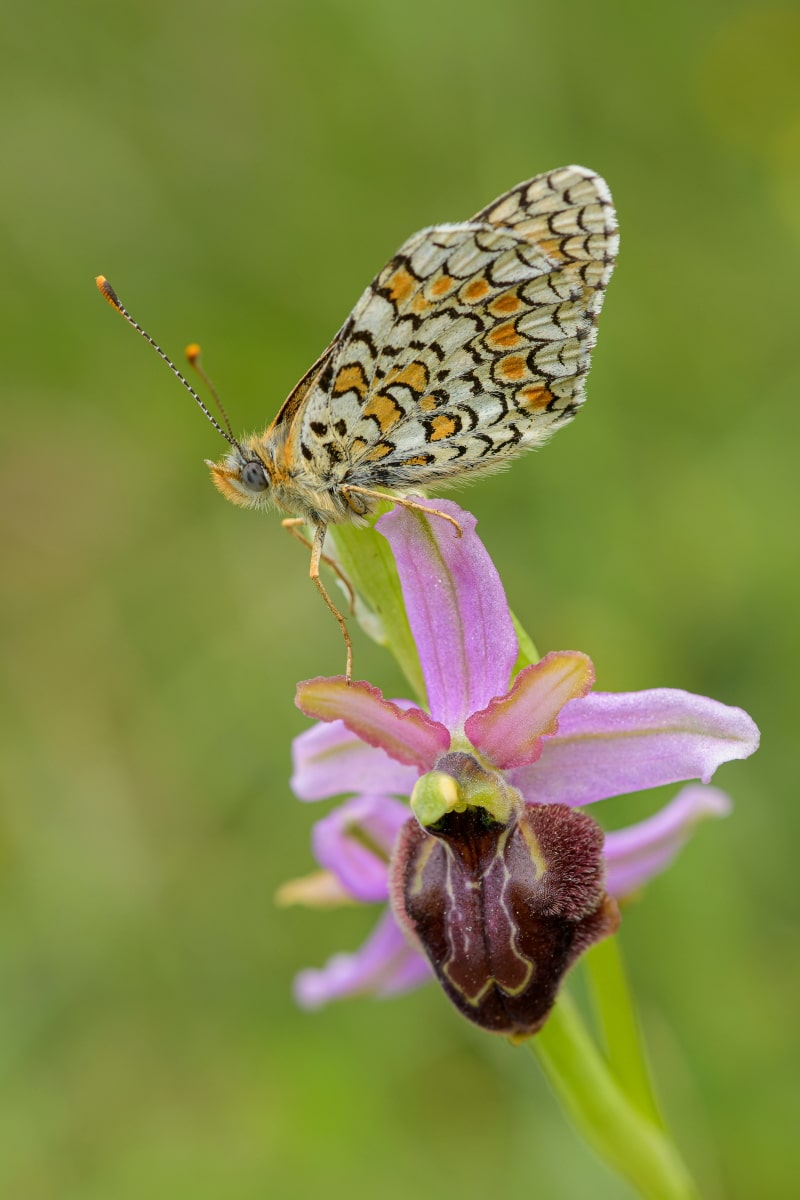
(471, 346)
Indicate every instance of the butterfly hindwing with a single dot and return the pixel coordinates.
(472, 344)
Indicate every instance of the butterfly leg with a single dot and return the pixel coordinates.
(316, 557)
(404, 502)
(292, 524)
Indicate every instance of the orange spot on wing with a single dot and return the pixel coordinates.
(504, 337)
(401, 285)
(414, 376)
(429, 403)
(475, 290)
(552, 247)
(534, 396)
(380, 451)
(419, 304)
(357, 446)
(513, 367)
(351, 378)
(442, 285)
(505, 305)
(419, 460)
(386, 411)
(442, 427)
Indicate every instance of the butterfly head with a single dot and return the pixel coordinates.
(242, 477)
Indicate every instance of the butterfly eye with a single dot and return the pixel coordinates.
(254, 477)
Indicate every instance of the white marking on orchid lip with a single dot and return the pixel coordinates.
(456, 953)
(460, 953)
(537, 857)
(422, 861)
(530, 967)
(449, 876)
(474, 1000)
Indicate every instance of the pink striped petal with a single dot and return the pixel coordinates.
(329, 760)
(509, 731)
(384, 966)
(634, 855)
(456, 607)
(609, 744)
(409, 736)
(355, 842)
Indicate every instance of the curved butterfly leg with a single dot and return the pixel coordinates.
(316, 557)
(404, 502)
(292, 526)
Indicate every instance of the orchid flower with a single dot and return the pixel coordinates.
(493, 879)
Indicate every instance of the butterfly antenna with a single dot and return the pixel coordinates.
(192, 353)
(107, 291)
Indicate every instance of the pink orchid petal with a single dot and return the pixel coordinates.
(456, 608)
(408, 736)
(509, 731)
(609, 744)
(329, 760)
(384, 966)
(343, 842)
(634, 855)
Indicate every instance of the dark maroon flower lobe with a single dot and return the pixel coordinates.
(501, 896)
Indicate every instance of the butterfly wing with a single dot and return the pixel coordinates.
(471, 345)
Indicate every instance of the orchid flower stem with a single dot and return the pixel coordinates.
(605, 1116)
(619, 1026)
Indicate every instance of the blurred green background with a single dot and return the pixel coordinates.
(240, 173)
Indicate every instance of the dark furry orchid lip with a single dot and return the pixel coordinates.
(500, 907)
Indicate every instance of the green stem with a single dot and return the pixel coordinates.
(619, 1025)
(600, 1110)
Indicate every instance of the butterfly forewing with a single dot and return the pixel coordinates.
(471, 345)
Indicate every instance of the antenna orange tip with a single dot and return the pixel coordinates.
(107, 292)
(192, 352)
